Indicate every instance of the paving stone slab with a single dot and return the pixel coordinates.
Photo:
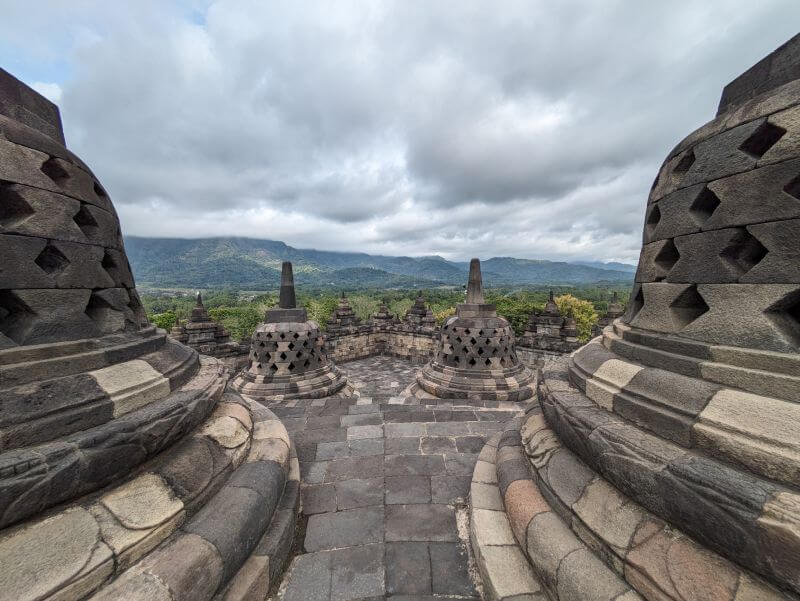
(344, 529)
(359, 493)
(407, 489)
(421, 523)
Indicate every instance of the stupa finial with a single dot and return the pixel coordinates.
(287, 298)
(475, 284)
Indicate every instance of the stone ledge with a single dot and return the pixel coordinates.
(504, 569)
(655, 559)
(734, 513)
(85, 461)
(566, 568)
(145, 532)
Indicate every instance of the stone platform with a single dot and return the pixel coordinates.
(385, 483)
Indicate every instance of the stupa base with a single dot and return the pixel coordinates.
(516, 383)
(322, 382)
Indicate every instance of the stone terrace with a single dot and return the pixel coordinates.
(385, 483)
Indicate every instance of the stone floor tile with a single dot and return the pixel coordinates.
(354, 467)
(365, 447)
(414, 465)
(407, 489)
(361, 419)
(326, 421)
(470, 444)
(313, 472)
(399, 430)
(318, 498)
(450, 489)
(357, 572)
(359, 432)
(460, 464)
(408, 445)
(332, 450)
(420, 523)
(450, 428)
(437, 444)
(360, 409)
(310, 578)
(408, 568)
(344, 529)
(449, 571)
(359, 493)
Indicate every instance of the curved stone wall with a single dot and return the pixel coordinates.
(663, 457)
(124, 471)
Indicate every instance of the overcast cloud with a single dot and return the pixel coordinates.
(530, 129)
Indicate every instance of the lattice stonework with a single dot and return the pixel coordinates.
(479, 348)
(59, 231)
(284, 353)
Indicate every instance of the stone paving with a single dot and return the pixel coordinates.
(385, 480)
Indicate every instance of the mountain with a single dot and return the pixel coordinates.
(247, 263)
(613, 265)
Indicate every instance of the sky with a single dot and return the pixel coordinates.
(530, 129)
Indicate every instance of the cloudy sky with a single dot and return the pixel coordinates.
(530, 129)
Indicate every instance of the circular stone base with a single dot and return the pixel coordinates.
(512, 384)
(315, 384)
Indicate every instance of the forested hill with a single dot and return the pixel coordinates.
(247, 263)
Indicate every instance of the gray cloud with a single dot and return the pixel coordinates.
(455, 128)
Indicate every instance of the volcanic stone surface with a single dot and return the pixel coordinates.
(475, 355)
(385, 484)
(663, 457)
(126, 472)
(288, 356)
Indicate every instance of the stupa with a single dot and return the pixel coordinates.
(420, 315)
(343, 318)
(663, 460)
(206, 336)
(288, 357)
(383, 317)
(548, 334)
(614, 311)
(474, 356)
(125, 473)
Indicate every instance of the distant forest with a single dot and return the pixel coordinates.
(241, 312)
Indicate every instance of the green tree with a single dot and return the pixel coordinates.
(581, 310)
(165, 321)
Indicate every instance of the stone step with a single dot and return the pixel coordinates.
(741, 516)
(220, 505)
(657, 560)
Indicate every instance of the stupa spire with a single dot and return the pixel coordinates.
(475, 284)
(287, 297)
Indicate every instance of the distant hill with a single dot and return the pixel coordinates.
(627, 267)
(247, 263)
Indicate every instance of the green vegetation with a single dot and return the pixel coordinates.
(240, 311)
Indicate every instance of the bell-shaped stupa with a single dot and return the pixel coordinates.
(205, 335)
(125, 472)
(288, 358)
(474, 356)
(663, 460)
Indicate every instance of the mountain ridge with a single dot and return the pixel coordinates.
(252, 263)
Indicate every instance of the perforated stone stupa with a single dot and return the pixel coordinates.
(288, 356)
(663, 460)
(420, 315)
(343, 318)
(475, 356)
(614, 311)
(125, 472)
(549, 334)
(205, 335)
